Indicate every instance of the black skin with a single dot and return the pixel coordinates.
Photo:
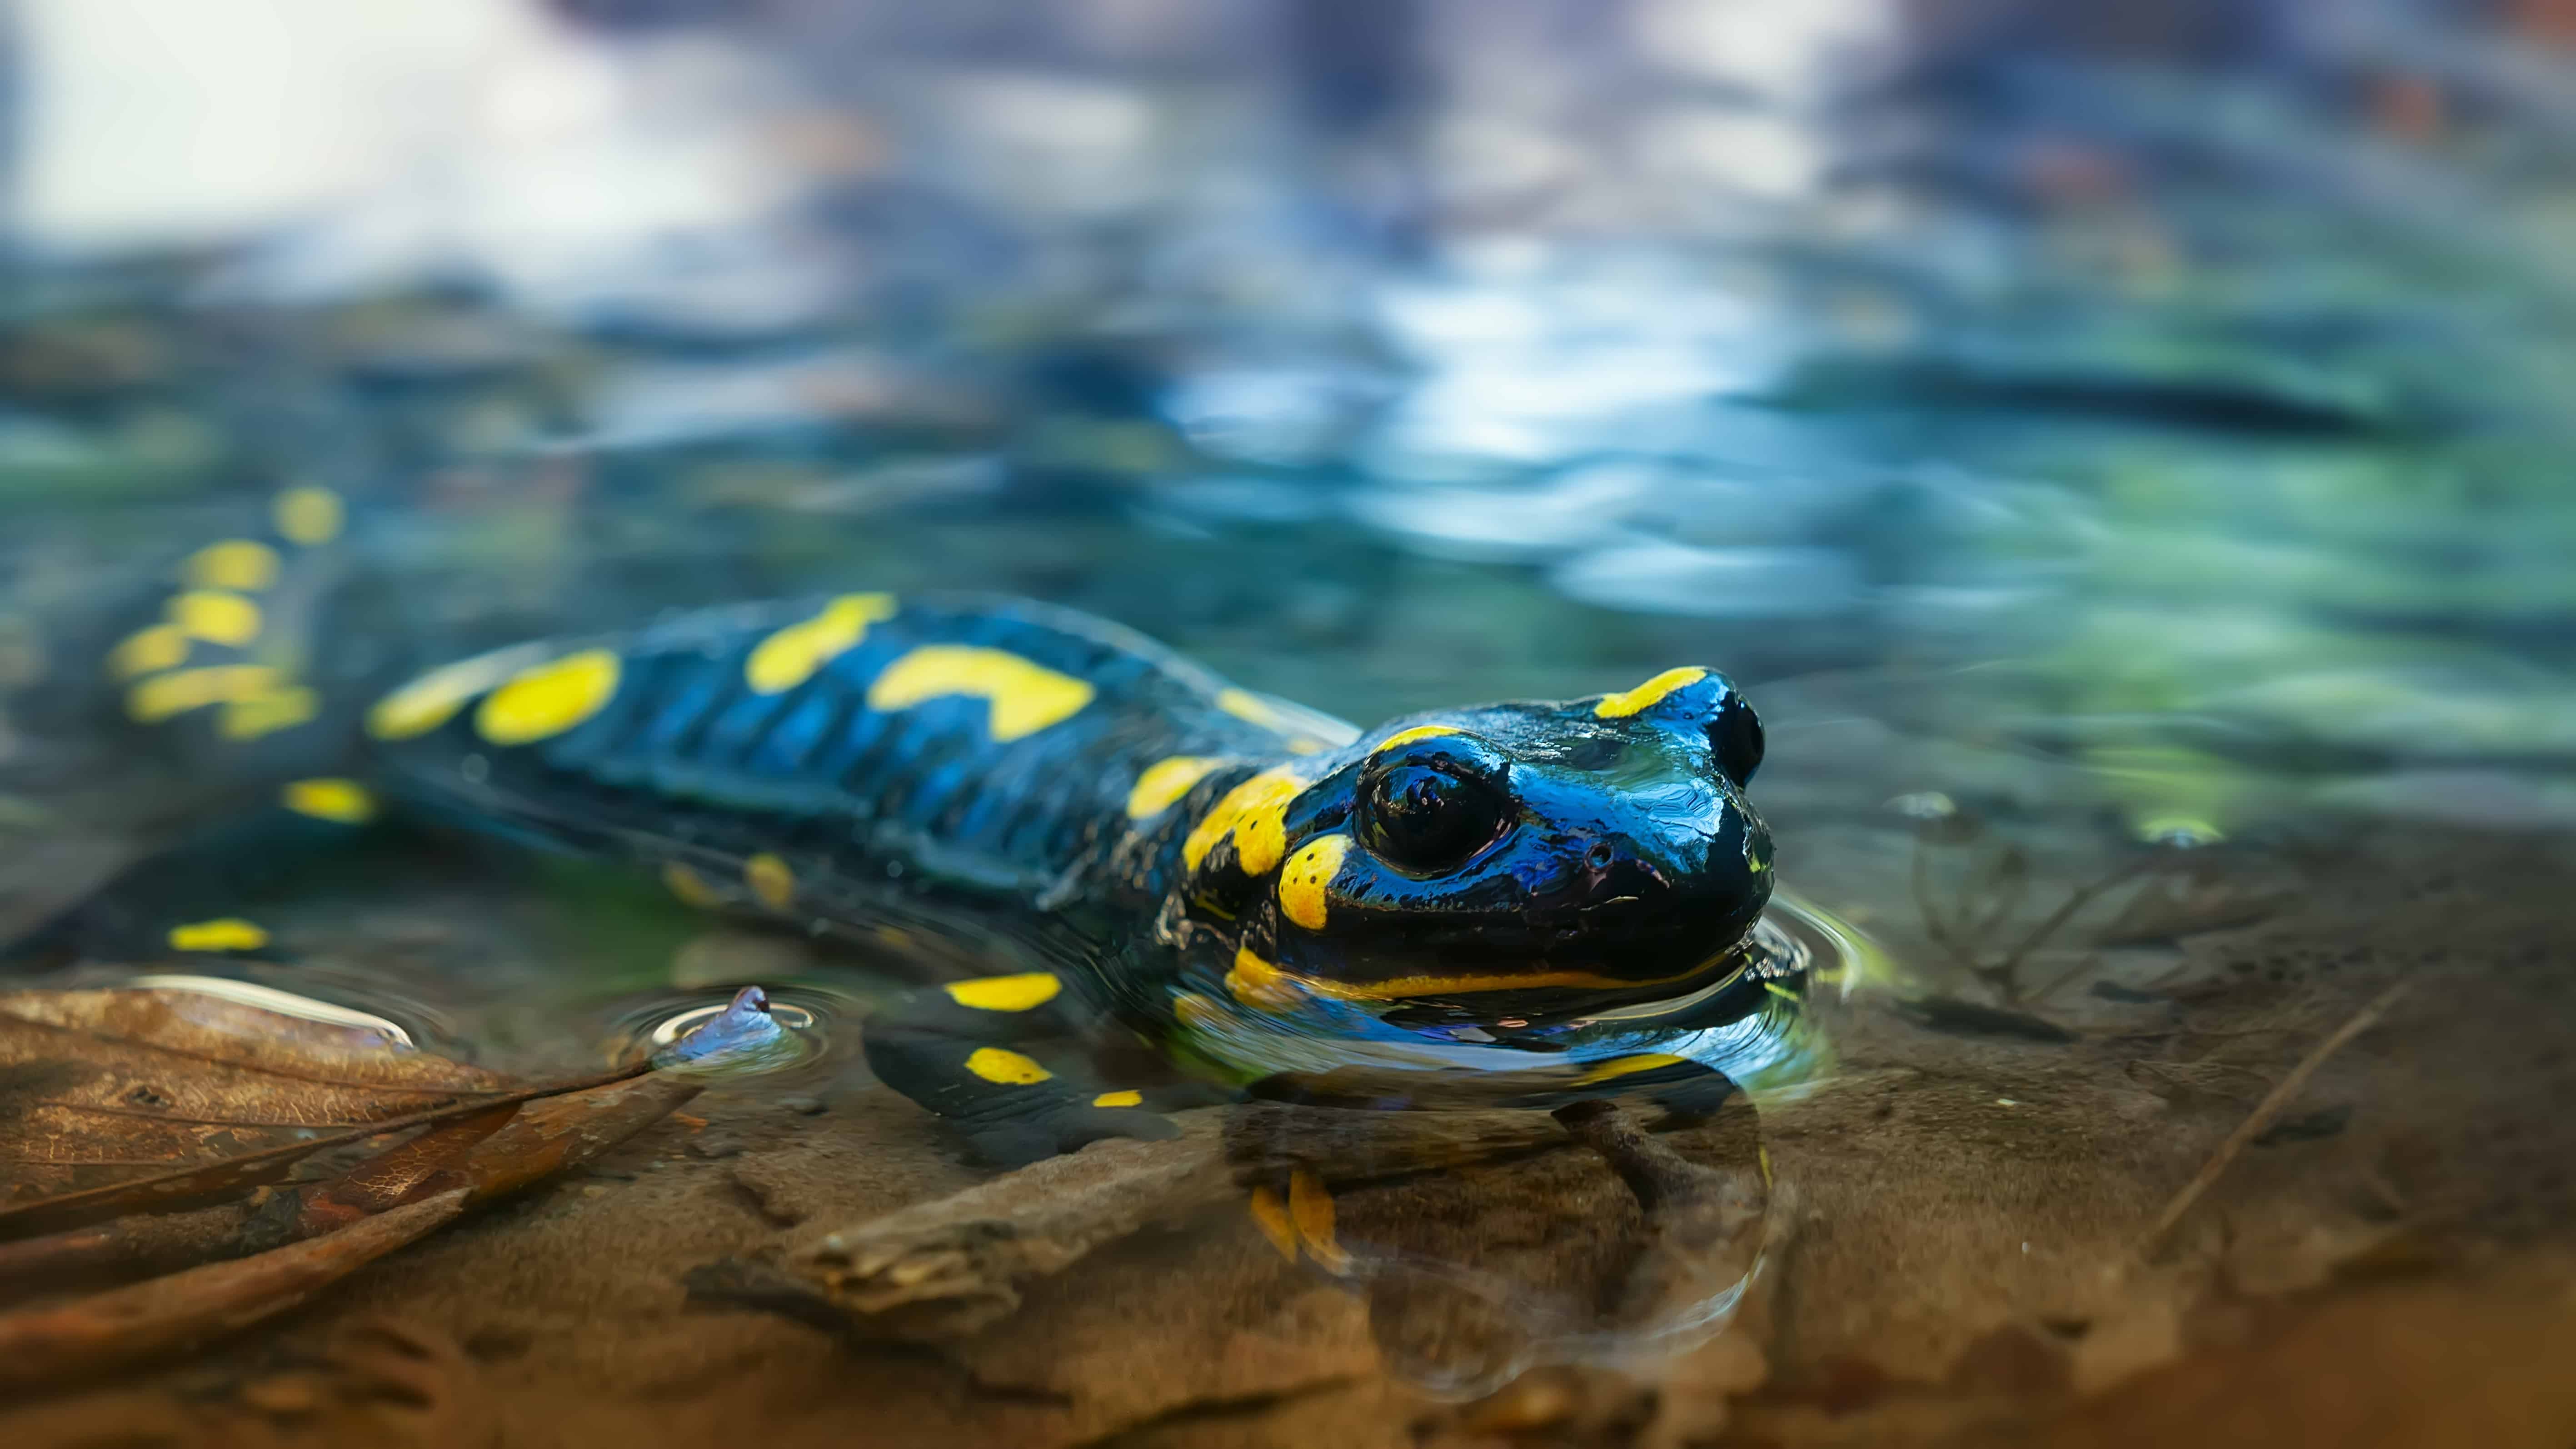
(1523, 844)
(1509, 867)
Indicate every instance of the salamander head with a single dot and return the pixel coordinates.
(1500, 863)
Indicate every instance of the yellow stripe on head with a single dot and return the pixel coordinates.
(229, 933)
(345, 802)
(1647, 695)
(546, 700)
(1418, 732)
(1165, 781)
(1023, 697)
(215, 616)
(1253, 813)
(1023, 991)
(235, 563)
(790, 656)
(1306, 882)
(308, 516)
(1128, 1098)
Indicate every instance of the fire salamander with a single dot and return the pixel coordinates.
(1556, 896)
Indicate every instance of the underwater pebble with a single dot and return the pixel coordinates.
(712, 1147)
(805, 1106)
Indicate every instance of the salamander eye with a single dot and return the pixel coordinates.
(1736, 735)
(1422, 819)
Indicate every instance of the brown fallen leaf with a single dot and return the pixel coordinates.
(197, 1078)
(156, 1099)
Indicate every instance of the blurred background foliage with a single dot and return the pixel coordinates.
(2192, 380)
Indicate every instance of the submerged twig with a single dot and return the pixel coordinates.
(40, 1345)
(1934, 925)
(2004, 976)
(950, 1266)
(2262, 1115)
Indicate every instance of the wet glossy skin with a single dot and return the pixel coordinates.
(1506, 862)
(1112, 830)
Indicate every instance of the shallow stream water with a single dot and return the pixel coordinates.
(2132, 484)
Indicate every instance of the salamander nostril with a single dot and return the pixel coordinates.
(1600, 855)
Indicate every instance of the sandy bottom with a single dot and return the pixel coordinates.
(1954, 1247)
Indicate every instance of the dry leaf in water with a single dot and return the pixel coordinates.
(118, 1105)
(114, 1101)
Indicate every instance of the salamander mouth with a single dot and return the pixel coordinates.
(1538, 994)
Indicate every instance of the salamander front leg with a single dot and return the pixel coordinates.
(1003, 1058)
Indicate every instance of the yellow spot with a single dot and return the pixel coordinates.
(1025, 697)
(1006, 993)
(1253, 812)
(1009, 1068)
(162, 696)
(789, 657)
(269, 711)
(231, 933)
(770, 880)
(1647, 695)
(1261, 836)
(1257, 983)
(235, 563)
(215, 616)
(149, 651)
(1418, 732)
(1271, 1216)
(1310, 1208)
(434, 698)
(689, 887)
(548, 699)
(1628, 1066)
(329, 798)
(1129, 1098)
(1304, 885)
(1165, 781)
(308, 515)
